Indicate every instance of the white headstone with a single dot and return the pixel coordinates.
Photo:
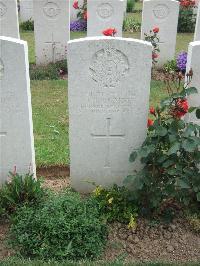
(9, 25)
(51, 27)
(16, 128)
(197, 30)
(109, 82)
(104, 14)
(26, 10)
(125, 6)
(162, 14)
(194, 64)
(73, 11)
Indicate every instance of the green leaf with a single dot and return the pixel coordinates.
(192, 109)
(174, 148)
(191, 90)
(182, 184)
(198, 113)
(161, 131)
(189, 145)
(133, 157)
(168, 163)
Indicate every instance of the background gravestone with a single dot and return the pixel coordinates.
(197, 30)
(26, 10)
(16, 128)
(162, 14)
(194, 63)
(51, 26)
(109, 82)
(9, 25)
(104, 14)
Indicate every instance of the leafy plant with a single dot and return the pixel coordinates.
(194, 221)
(130, 6)
(170, 153)
(18, 191)
(153, 38)
(51, 71)
(131, 25)
(170, 66)
(187, 18)
(27, 25)
(116, 204)
(62, 227)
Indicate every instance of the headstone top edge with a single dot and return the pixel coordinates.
(101, 38)
(13, 40)
(195, 43)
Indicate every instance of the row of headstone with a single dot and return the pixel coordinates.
(109, 86)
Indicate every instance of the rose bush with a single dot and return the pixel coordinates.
(153, 38)
(170, 155)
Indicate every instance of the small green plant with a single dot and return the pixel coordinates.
(116, 205)
(171, 66)
(170, 153)
(62, 227)
(194, 221)
(52, 71)
(130, 6)
(27, 25)
(131, 25)
(187, 17)
(18, 191)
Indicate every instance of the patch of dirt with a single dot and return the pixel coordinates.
(158, 74)
(56, 184)
(53, 171)
(172, 243)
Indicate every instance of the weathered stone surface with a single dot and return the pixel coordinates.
(197, 29)
(26, 10)
(104, 14)
(16, 128)
(51, 22)
(194, 64)
(9, 25)
(162, 14)
(109, 81)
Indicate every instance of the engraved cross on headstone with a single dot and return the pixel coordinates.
(53, 45)
(108, 136)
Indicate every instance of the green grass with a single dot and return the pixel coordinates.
(50, 119)
(183, 39)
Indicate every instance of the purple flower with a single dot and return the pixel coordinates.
(182, 61)
(78, 25)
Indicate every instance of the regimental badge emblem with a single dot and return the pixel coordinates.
(108, 67)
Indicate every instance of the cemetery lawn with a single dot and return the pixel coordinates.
(50, 119)
(183, 39)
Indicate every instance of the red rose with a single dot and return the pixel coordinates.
(110, 32)
(150, 122)
(75, 5)
(156, 30)
(152, 111)
(181, 108)
(154, 55)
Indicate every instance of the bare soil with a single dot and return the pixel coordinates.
(175, 242)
